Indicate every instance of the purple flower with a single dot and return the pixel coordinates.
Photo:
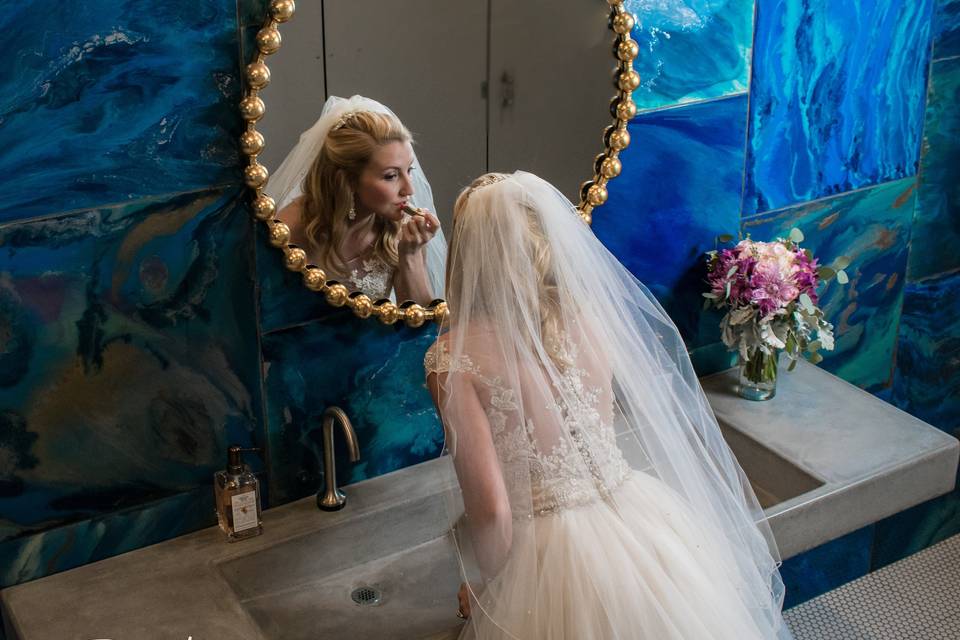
(770, 291)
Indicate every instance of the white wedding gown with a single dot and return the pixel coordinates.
(628, 560)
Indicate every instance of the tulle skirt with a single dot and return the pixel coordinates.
(636, 567)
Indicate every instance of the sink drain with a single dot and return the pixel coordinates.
(366, 596)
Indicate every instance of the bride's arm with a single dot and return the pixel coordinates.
(485, 500)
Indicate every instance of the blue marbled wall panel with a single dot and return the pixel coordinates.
(872, 227)
(691, 50)
(129, 356)
(41, 553)
(373, 372)
(836, 97)
(679, 189)
(811, 573)
(946, 25)
(108, 101)
(936, 231)
(927, 372)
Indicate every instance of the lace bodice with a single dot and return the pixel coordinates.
(374, 277)
(584, 466)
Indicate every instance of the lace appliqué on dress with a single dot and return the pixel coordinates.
(374, 277)
(584, 467)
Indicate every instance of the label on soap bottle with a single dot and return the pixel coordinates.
(244, 506)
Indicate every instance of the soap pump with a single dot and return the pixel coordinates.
(237, 494)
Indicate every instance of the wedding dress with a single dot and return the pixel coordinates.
(600, 499)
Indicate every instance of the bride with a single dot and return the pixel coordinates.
(598, 498)
(345, 191)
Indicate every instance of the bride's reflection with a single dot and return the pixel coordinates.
(359, 204)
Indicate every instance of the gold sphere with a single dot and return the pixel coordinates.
(414, 315)
(314, 278)
(440, 312)
(585, 212)
(597, 195)
(263, 207)
(628, 80)
(626, 109)
(619, 139)
(388, 312)
(610, 167)
(258, 75)
(251, 142)
(255, 175)
(362, 305)
(628, 49)
(623, 23)
(268, 40)
(279, 234)
(294, 258)
(252, 108)
(282, 10)
(337, 295)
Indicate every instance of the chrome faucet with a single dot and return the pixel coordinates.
(333, 499)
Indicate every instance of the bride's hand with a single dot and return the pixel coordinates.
(416, 232)
(464, 597)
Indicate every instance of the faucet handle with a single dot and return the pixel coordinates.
(332, 498)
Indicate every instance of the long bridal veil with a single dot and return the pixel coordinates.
(556, 360)
(286, 183)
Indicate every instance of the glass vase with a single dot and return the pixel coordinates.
(758, 375)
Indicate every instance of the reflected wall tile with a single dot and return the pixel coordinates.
(836, 97)
(872, 227)
(936, 229)
(284, 300)
(691, 51)
(131, 355)
(679, 189)
(373, 372)
(712, 358)
(35, 555)
(113, 102)
(946, 29)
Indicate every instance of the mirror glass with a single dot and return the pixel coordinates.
(482, 85)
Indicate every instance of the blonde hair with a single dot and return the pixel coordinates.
(541, 255)
(330, 184)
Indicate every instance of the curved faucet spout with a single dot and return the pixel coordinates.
(333, 499)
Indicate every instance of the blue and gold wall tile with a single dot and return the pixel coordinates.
(691, 50)
(130, 357)
(680, 188)
(936, 230)
(836, 98)
(872, 227)
(373, 372)
(110, 101)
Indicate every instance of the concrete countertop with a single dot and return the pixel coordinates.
(874, 460)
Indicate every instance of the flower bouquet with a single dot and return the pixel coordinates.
(770, 291)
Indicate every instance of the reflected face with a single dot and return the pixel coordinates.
(385, 184)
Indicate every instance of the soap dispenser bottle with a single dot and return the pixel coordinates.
(237, 493)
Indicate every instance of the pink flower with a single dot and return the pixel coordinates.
(771, 291)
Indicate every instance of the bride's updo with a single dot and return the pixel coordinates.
(545, 300)
(329, 186)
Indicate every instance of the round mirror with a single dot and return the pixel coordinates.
(455, 90)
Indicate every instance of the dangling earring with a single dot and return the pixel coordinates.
(352, 214)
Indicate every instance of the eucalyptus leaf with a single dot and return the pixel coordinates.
(726, 237)
(842, 277)
(796, 235)
(816, 358)
(825, 273)
(806, 302)
(842, 262)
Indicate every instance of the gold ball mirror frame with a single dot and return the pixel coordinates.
(593, 192)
